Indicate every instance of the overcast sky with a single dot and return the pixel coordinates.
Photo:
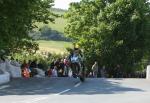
(64, 4)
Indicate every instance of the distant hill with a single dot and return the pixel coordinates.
(58, 11)
(46, 33)
(51, 31)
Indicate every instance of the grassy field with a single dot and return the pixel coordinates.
(54, 46)
(59, 24)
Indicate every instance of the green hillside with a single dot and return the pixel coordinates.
(59, 24)
(53, 29)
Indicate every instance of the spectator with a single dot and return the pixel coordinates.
(66, 66)
(54, 72)
(48, 72)
(25, 70)
(32, 67)
(61, 68)
(95, 69)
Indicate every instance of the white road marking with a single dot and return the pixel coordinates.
(63, 92)
(77, 85)
(35, 100)
(4, 86)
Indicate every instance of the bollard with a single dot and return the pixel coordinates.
(148, 72)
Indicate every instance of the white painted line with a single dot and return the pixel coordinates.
(63, 92)
(4, 86)
(77, 85)
(35, 100)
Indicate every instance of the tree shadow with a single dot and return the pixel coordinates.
(46, 86)
(35, 86)
(102, 86)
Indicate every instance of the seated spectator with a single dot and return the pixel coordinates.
(54, 72)
(25, 70)
(48, 72)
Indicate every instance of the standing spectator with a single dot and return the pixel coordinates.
(95, 69)
(61, 68)
(66, 66)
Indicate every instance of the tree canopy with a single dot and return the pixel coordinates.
(17, 18)
(113, 32)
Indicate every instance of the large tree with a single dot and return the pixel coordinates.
(111, 31)
(17, 18)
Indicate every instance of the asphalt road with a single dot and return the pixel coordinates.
(69, 90)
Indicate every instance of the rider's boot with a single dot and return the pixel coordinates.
(81, 76)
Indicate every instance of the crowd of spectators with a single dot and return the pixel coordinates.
(116, 72)
(61, 68)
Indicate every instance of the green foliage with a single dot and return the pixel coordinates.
(17, 18)
(111, 31)
(25, 46)
(45, 60)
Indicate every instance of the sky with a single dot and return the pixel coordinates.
(63, 4)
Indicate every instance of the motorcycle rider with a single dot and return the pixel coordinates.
(76, 59)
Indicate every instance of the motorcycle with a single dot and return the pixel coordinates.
(77, 69)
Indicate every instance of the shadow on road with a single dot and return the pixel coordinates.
(102, 86)
(45, 86)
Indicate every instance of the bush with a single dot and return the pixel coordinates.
(45, 60)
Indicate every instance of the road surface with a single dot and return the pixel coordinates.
(69, 90)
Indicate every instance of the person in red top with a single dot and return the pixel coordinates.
(25, 70)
